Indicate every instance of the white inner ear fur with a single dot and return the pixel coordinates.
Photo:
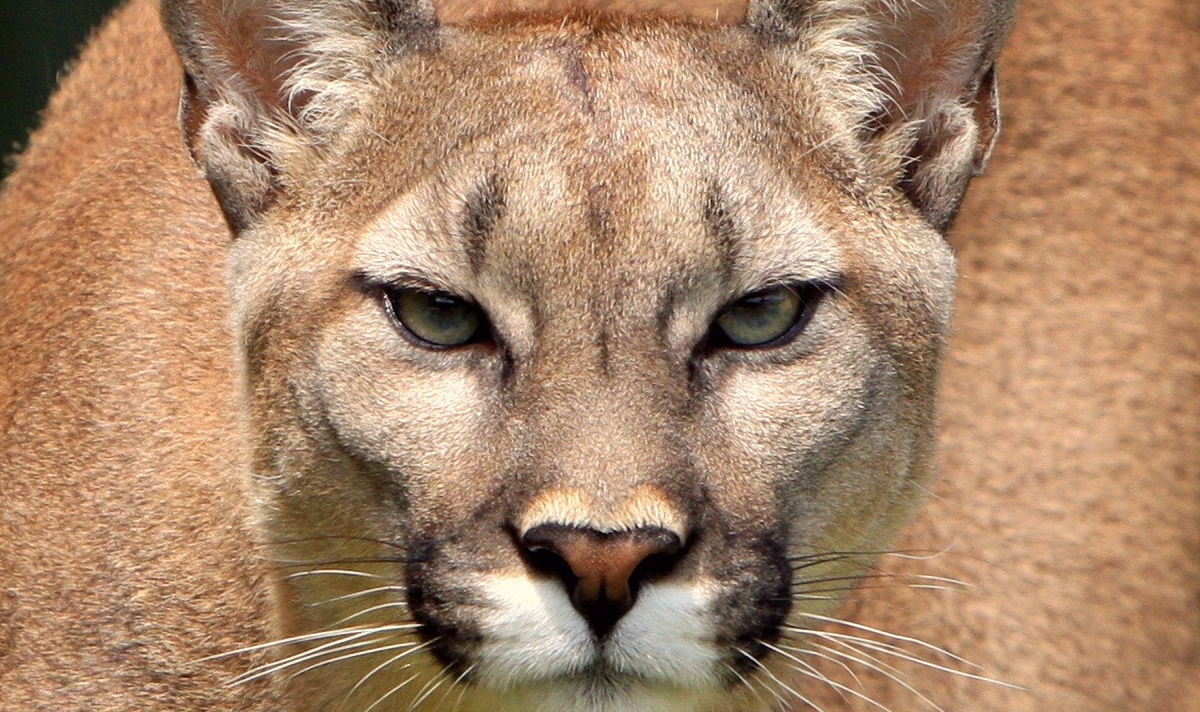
(311, 61)
(910, 68)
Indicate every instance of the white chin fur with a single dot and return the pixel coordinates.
(533, 638)
(579, 697)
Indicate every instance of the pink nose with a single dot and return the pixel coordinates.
(602, 571)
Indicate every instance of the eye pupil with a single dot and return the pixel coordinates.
(433, 318)
(767, 318)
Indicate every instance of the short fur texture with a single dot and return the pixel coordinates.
(128, 548)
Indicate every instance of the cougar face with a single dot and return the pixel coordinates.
(564, 384)
(587, 357)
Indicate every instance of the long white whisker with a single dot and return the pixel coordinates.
(291, 661)
(360, 594)
(858, 643)
(884, 669)
(363, 680)
(811, 596)
(867, 654)
(835, 636)
(372, 609)
(768, 688)
(953, 583)
(834, 661)
(903, 655)
(744, 681)
(885, 634)
(336, 572)
(812, 672)
(922, 556)
(787, 688)
(943, 582)
(392, 691)
(305, 638)
(351, 656)
(430, 687)
(304, 656)
(462, 692)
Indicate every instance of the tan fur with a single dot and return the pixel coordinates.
(717, 12)
(114, 580)
(130, 530)
(1070, 495)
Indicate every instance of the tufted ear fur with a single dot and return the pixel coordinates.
(918, 77)
(269, 77)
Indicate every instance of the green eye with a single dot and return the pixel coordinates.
(435, 319)
(767, 318)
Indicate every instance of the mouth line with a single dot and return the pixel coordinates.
(600, 672)
(603, 678)
(603, 673)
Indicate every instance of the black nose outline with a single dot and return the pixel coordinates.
(602, 571)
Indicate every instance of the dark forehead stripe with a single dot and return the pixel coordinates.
(603, 234)
(483, 209)
(724, 231)
(718, 215)
(577, 75)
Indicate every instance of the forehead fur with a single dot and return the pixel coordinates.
(714, 12)
(714, 99)
(616, 134)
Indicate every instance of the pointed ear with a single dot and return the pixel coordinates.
(266, 78)
(920, 75)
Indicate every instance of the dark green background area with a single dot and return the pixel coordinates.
(37, 38)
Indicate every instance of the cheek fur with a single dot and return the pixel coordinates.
(415, 421)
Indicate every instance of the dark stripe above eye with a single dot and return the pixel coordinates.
(482, 210)
(721, 224)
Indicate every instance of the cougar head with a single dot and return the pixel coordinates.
(579, 347)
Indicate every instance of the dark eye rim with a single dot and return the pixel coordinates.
(811, 293)
(388, 295)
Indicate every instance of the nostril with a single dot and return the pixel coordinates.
(547, 560)
(602, 571)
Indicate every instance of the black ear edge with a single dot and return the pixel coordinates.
(988, 117)
(945, 151)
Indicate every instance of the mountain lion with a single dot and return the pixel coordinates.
(382, 355)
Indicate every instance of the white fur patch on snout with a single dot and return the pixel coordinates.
(667, 635)
(532, 634)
